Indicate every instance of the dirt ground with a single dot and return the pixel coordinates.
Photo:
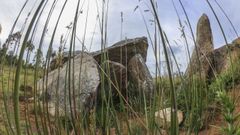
(211, 130)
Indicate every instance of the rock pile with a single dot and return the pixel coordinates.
(126, 62)
(131, 54)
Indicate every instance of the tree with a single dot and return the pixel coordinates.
(30, 46)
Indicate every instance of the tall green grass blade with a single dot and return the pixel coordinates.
(174, 120)
(19, 67)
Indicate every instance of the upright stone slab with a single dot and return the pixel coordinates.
(118, 75)
(140, 75)
(199, 63)
(115, 80)
(84, 81)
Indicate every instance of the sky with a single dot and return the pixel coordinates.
(132, 26)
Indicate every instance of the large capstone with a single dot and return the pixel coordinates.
(123, 51)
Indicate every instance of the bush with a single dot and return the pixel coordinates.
(228, 108)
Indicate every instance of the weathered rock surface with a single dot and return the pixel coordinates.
(123, 51)
(81, 88)
(140, 75)
(131, 54)
(163, 117)
(204, 45)
(65, 57)
(236, 41)
(126, 61)
(224, 56)
(118, 77)
(212, 62)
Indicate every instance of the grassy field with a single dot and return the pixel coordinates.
(6, 89)
(131, 122)
(208, 106)
(8, 77)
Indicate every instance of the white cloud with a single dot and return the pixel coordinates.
(133, 25)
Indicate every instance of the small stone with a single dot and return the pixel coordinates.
(163, 117)
(31, 99)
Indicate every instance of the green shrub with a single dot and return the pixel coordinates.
(228, 108)
(227, 79)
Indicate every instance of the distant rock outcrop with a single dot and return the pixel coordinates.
(224, 56)
(212, 61)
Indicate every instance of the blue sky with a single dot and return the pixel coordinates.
(133, 25)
